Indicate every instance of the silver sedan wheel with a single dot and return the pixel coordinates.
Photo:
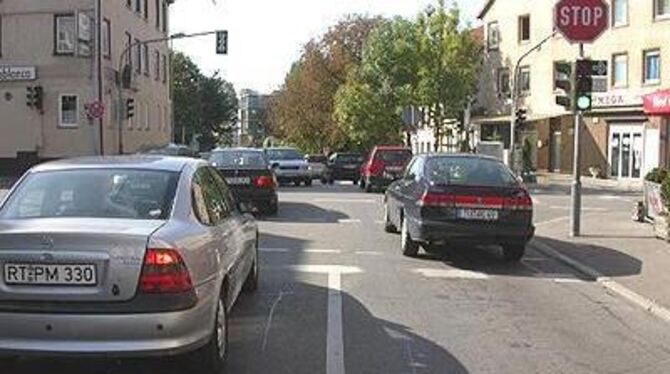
(221, 328)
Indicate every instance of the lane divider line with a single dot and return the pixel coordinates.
(351, 220)
(643, 302)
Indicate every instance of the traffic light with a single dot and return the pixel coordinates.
(222, 42)
(563, 81)
(38, 98)
(130, 108)
(30, 96)
(521, 116)
(584, 85)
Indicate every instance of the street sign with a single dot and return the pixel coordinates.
(593, 68)
(599, 84)
(95, 109)
(581, 21)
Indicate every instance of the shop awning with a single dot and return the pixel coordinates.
(657, 103)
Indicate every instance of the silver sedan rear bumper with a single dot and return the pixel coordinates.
(125, 335)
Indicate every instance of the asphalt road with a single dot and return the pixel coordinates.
(336, 296)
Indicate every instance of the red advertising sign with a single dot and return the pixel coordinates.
(581, 21)
(657, 103)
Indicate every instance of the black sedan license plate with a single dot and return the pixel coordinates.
(50, 275)
(478, 214)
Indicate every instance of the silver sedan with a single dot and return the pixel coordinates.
(123, 256)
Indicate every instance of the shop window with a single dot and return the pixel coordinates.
(68, 112)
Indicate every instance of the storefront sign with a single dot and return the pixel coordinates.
(657, 103)
(616, 99)
(17, 73)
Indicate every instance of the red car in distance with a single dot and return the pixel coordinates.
(384, 165)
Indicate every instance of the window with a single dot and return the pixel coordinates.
(165, 17)
(662, 8)
(65, 34)
(157, 8)
(138, 6)
(493, 36)
(106, 39)
(652, 67)
(145, 59)
(157, 65)
(217, 208)
(0, 35)
(129, 55)
(620, 13)
(524, 80)
(129, 4)
(198, 200)
(503, 82)
(68, 112)
(138, 57)
(227, 195)
(524, 28)
(147, 112)
(620, 70)
(146, 9)
(165, 69)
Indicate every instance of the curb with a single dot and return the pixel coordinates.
(649, 305)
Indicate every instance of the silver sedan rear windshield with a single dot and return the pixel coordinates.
(466, 171)
(93, 193)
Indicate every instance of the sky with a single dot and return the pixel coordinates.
(266, 36)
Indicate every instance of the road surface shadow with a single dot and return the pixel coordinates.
(298, 212)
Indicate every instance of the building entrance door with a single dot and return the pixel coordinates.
(555, 152)
(626, 151)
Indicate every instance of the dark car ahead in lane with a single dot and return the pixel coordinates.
(383, 166)
(249, 176)
(344, 167)
(446, 199)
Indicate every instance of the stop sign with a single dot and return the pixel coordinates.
(581, 21)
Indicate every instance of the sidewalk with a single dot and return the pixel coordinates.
(615, 247)
(564, 181)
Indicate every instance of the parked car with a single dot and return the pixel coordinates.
(123, 256)
(172, 149)
(317, 166)
(289, 165)
(443, 199)
(249, 177)
(344, 166)
(383, 166)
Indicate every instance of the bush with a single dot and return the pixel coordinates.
(657, 175)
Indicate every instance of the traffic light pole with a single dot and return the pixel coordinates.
(576, 193)
(124, 54)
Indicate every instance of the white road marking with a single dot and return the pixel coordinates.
(536, 201)
(345, 221)
(266, 331)
(323, 251)
(274, 250)
(368, 253)
(451, 274)
(356, 201)
(568, 280)
(549, 222)
(583, 209)
(298, 250)
(334, 340)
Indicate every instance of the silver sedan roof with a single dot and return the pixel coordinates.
(146, 162)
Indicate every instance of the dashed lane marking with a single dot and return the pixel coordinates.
(349, 220)
(451, 274)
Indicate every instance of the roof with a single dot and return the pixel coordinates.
(458, 155)
(237, 149)
(478, 34)
(487, 7)
(163, 163)
(391, 147)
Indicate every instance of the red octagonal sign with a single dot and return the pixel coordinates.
(581, 21)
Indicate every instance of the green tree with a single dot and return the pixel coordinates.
(186, 77)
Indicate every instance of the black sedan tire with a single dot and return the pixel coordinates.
(296, 183)
(355, 181)
(410, 248)
(514, 252)
(271, 209)
(308, 182)
(211, 358)
(361, 184)
(368, 187)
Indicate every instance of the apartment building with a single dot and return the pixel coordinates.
(70, 51)
(253, 117)
(627, 131)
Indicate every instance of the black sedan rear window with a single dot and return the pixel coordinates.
(468, 171)
(400, 155)
(238, 158)
(93, 193)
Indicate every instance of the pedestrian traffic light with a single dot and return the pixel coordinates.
(130, 108)
(521, 116)
(222, 42)
(584, 85)
(563, 81)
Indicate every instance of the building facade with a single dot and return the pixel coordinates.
(252, 128)
(70, 51)
(622, 140)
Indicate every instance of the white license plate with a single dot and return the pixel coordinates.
(478, 214)
(50, 275)
(350, 167)
(238, 181)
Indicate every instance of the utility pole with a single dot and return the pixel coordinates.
(576, 192)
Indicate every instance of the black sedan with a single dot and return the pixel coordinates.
(463, 199)
(343, 167)
(249, 176)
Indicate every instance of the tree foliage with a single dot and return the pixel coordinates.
(203, 105)
(302, 111)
